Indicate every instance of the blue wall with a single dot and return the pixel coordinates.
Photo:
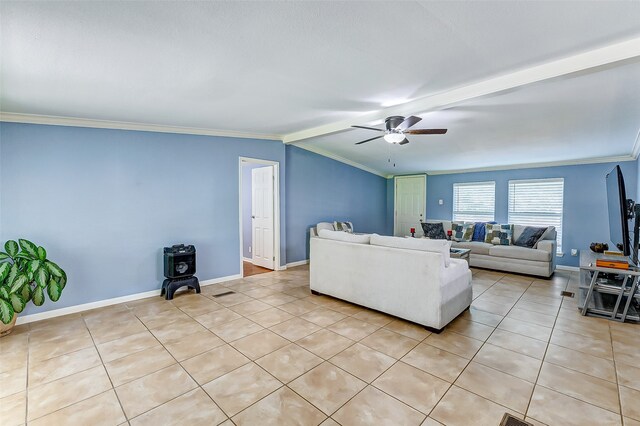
(585, 204)
(321, 189)
(105, 202)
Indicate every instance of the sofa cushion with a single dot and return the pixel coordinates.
(476, 247)
(422, 244)
(434, 231)
(344, 236)
(530, 236)
(499, 234)
(515, 252)
(343, 226)
(463, 232)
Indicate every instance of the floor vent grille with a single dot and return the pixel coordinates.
(567, 293)
(509, 420)
(226, 293)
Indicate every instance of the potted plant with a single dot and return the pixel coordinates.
(26, 275)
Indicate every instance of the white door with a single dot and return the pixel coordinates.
(262, 217)
(410, 203)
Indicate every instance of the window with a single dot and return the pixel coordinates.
(537, 203)
(474, 201)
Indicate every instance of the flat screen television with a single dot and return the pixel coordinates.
(618, 215)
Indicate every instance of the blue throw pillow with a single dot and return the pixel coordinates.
(479, 231)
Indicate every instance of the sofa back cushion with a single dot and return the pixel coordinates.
(344, 236)
(422, 244)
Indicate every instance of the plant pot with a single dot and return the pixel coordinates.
(5, 329)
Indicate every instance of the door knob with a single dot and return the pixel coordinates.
(253, 217)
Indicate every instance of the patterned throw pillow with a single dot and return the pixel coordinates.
(479, 231)
(343, 226)
(499, 235)
(530, 236)
(435, 231)
(463, 232)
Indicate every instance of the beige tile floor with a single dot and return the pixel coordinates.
(273, 354)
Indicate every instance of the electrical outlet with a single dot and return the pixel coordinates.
(441, 202)
(249, 249)
(574, 252)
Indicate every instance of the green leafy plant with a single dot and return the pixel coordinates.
(26, 275)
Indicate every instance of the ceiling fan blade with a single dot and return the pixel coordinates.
(426, 132)
(369, 128)
(368, 140)
(404, 142)
(408, 122)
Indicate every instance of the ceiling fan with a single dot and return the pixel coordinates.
(396, 129)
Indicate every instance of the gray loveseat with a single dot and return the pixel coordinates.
(540, 260)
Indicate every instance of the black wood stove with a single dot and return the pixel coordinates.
(179, 269)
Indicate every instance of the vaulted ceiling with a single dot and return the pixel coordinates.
(515, 82)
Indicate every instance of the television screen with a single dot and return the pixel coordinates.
(617, 204)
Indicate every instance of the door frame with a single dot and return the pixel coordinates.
(395, 197)
(276, 209)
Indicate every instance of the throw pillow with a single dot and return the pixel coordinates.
(479, 231)
(434, 231)
(549, 234)
(499, 235)
(530, 236)
(343, 226)
(463, 232)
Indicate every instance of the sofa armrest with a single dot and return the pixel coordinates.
(551, 247)
(548, 246)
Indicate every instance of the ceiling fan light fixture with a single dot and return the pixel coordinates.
(394, 137)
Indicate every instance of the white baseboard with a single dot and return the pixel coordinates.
(567, 268)
(108, 302)
(247, 259)
(299, 263)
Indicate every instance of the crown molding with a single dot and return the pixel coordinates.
(123, 125)
(342, 160)
(589, 61)
(582, 161)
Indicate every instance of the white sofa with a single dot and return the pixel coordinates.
(540, 260)
(411, 284)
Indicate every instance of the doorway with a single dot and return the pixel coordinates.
(410, 194)
(259, 216)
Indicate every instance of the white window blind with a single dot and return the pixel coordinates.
(537, 202)
(474, 201)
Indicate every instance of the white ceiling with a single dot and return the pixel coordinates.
(588, 116)
(275, 68)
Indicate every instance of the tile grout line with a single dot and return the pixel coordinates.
(615, 369)
(105, 369)
(77, 372)
(26, 391)
(545, 353)
(451, 384)
(485, 342)
(327, 360)
(322, 306)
